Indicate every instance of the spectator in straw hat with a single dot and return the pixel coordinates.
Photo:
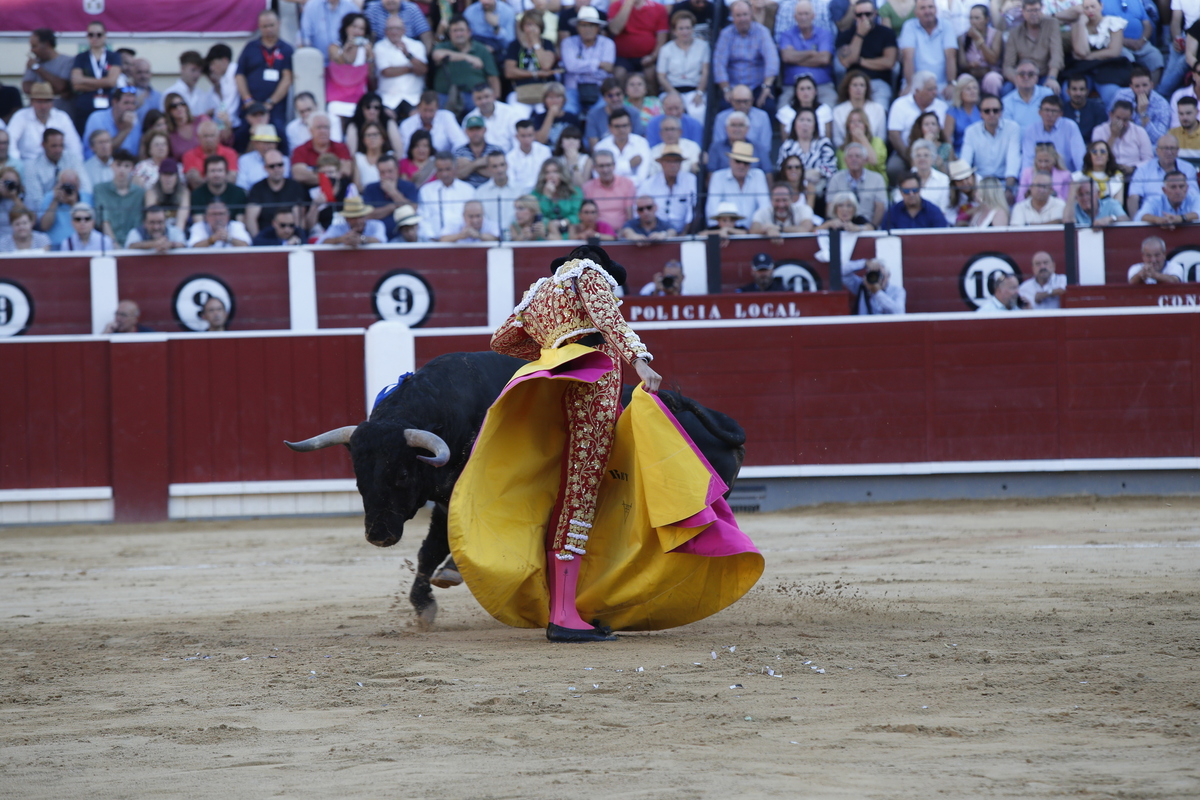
(27, 125)
(741, 183)
(408, 225)
(673, 188)
(728, 219)
(352, 228)
(252, 165)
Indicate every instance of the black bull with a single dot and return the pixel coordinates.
(417, 441)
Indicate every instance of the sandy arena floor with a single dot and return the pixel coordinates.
(954, 650)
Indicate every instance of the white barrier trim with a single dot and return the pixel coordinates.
(302, 290)
(501, 285)
(56, 494)
(105, 293)
(969, 467)
(694, 257)
(389, 351)
(227, 488)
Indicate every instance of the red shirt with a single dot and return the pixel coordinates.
(194, 159)
(639, 37)
(305, 154)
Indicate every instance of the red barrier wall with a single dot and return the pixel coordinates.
(61, 292)
(346, 282)
(54, 415)
(234, 401)
(986, 389)
(259, 282)
(531, 263)
(1163, 295)
(738, 254)
(934, 263)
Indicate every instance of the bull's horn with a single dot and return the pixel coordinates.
(327, 439)
(431, 442)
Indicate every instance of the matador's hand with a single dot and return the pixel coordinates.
(649, 377)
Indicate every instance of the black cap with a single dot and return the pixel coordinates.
(255, 108)
(762, 261)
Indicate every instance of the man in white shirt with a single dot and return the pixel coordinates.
(672, 188)
(442, 200)
(27, 125)
(499, 119)
(904, 112)
(473, 227)
(1154, 268)
(498, 194)
(1040, 208)
(1041, 292)
(740, 183)
(671, 131)
(526, 158)
(401, 63)
(199, 100)
(218, 230)
(439, 123)
(1003, 298)
(631, 152)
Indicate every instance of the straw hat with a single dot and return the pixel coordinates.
(265, 133)
(405, 216)
(742, 151)
(960, 170)
(669, 150)
(354, 207)
(41, 91)
(727, 209)
(589, 14)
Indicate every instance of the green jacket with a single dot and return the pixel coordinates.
(567, 209)
(460, 73)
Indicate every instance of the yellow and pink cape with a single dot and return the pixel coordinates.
(665, 549)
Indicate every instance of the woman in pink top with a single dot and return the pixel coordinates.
(1046, 159)
(349, 67)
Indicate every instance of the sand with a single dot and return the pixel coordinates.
(953, 650)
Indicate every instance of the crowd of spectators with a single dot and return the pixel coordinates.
(526, 121)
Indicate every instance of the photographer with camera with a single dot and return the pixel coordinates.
(11, 196)
(45, 171)
(874, 292)
(668, 283)
(54, 211)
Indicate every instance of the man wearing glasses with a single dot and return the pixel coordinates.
(274, 194)
(282, 231)
(993, 145)
(741, 98)
(252, 164)
(85, 238)
(597, 119)
(1023, 104)
(120, 119)
(871, 48)
(1148, 178)
(1037, 40)
(94, 75)
(913, 211)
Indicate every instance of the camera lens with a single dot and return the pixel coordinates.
(668, 282)
(873, 276)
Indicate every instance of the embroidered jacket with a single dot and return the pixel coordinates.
(577, 300)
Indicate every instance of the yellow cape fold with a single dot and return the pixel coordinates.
(629, 579)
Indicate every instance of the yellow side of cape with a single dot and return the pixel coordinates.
(629, 579)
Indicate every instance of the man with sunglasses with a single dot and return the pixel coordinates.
(274, 194)
(1024, 103)
(646, 226)
(1036, 39)
(869, 47)
(252, 165)
(913, 211)
(120, 119)
(993, 144)
(282, 231)
(95, 74)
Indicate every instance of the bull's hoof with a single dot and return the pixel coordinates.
(447, 575)
(426, 616)
(556, 633)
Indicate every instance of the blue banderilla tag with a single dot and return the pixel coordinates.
(389, 389)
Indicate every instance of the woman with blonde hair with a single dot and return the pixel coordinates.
(964, 108)
(858, 133)
(993, 205)
(926, 127)
(844, 216)
(527, 227)
(1046, 158)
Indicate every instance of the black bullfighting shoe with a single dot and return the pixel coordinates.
(557, 633)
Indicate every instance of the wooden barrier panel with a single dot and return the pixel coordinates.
(531, 263)
(54, 415)
(451, 280)
(942, 270)
(233, 402)
(1123, 249)
(1164, 295)
(751, 305)
(138, 373)
(801, 251)
(170, 288)
(58, 288)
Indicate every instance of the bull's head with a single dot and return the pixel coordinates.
(393, 485)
